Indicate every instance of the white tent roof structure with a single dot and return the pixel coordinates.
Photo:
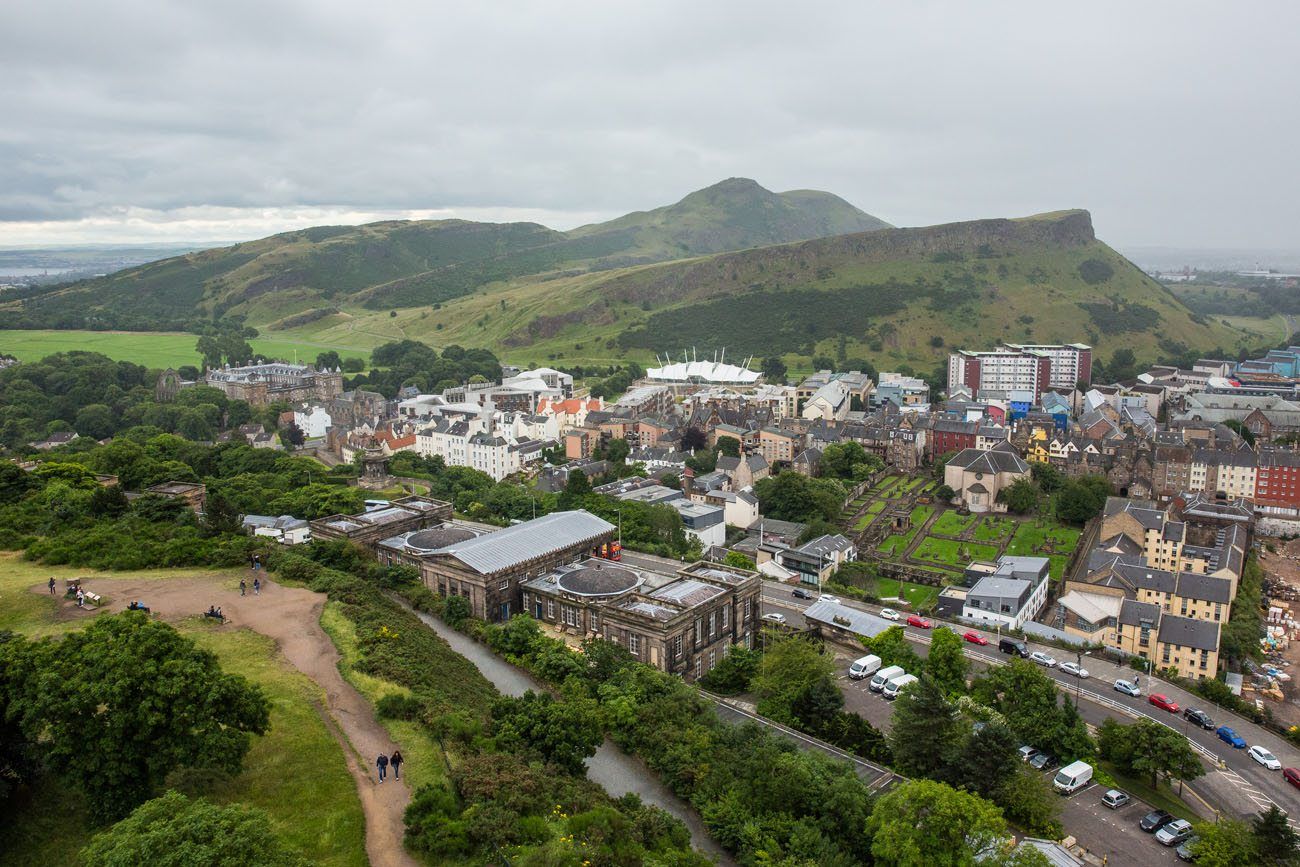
(695, 370)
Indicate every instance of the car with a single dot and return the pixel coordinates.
(889, 614)
(1115, 799)
(1043, 762)
(1042, 659)
(827, 598)
(1265, 758)
(1127, 687)
(774, 617)
(975, 638)
(1027, 752)
(1075, 669)
(1163, 702)
(1155, 820)
(800, 593)
(1292, 776)
(918, 621)
(1228, 736)
(1184, 850)
(1174, 833)
(1199, 718)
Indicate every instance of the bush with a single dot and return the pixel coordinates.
(399, 706)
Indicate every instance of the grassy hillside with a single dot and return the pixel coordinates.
(889, 296)
(294, 278)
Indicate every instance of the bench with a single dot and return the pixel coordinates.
(91, 599)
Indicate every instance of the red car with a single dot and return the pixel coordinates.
(1292, 776)
(1164, 703)
(918, 621)
(976, 638)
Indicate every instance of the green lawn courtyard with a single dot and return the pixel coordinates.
(916, 595)
(953, 523)
(951, 553)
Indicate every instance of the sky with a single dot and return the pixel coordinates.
(1175, 123)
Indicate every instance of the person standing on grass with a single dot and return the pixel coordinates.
(81, 598)
(243, 587)
(396, 762)
(382, 764)
(257, 586)
(51, 585)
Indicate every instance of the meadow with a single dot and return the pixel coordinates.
(161, 348)
(295, 772)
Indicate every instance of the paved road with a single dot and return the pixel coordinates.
(1242, 786)
(1098, 829)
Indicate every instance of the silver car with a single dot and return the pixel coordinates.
(1074, 669)
(1174, 833)
(1042, 659)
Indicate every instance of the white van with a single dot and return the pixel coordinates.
(864, 667)
(898, 684)
(884, 676)
(1072, 777)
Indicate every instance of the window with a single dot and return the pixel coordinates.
(634, 644)
(550, 608)
(713, 655)
(1184, 612)
(726, 617)
(677, 646)
(1218, 611)
(1164, 654)
(697, 666)
(1205, 658)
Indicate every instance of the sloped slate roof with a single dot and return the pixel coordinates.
(504, 549)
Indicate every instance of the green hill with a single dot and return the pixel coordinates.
(295, 277)
(895, 296)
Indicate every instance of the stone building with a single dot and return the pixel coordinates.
(193, 494)
(261, 384)
(683, 624)
(368, 529)
(488, 570)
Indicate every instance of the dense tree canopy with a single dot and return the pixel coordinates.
(410, 362)
(924, 822)
(789, 496)
(175, 831)
(117, 706)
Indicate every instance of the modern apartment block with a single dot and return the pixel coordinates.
(1020, 367)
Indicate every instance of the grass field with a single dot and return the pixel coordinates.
(952, 523)
(915, 595)
(1032, 540)
(994, 529)
(951, 553)
(295, 772)
(155, 349)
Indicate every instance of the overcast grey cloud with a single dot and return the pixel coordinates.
(1175, 123)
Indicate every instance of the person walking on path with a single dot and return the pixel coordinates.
(243, 587)
(51, 585)
(382, 764)
(257, 586)
(396, 762)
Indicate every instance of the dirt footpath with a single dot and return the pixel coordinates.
(291, 617)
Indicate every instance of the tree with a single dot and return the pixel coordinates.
(218, 514)
(988, 759)
(1027, 799)
(1025, 697)
(617, 450)
(1021, 497)
(838, 459)
(328, 360)
(576, 487)
(292, 436)
(926, 730)
(774, 370)
(944, 494)
(1080, 500)
(893, 648)
(817, 705)
(1275, 840)
(1123, 365)
(353, 365)
(789, 666)
(729, 446)
(733, 672)
(1047, 477)
(175, 831)
(194, 425)
(122, 703)
(456, 610)
(738, 560)
(1225, 843)
(564, 733)
(823, 362)
(1238, 428)
(95, 421)
(1148, 748)
(947, 663)
(789, 496)
(924, 822)
(694, 439)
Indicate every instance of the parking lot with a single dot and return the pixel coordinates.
(1113, 834)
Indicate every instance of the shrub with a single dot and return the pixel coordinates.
(399, 706)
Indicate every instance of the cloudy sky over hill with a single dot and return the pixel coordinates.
(1175, 123)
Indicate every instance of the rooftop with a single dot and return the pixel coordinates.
(520, 543)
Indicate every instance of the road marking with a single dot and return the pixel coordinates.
(1261, 800)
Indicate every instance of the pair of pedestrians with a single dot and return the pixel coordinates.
(257, 587)
(383, 763)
